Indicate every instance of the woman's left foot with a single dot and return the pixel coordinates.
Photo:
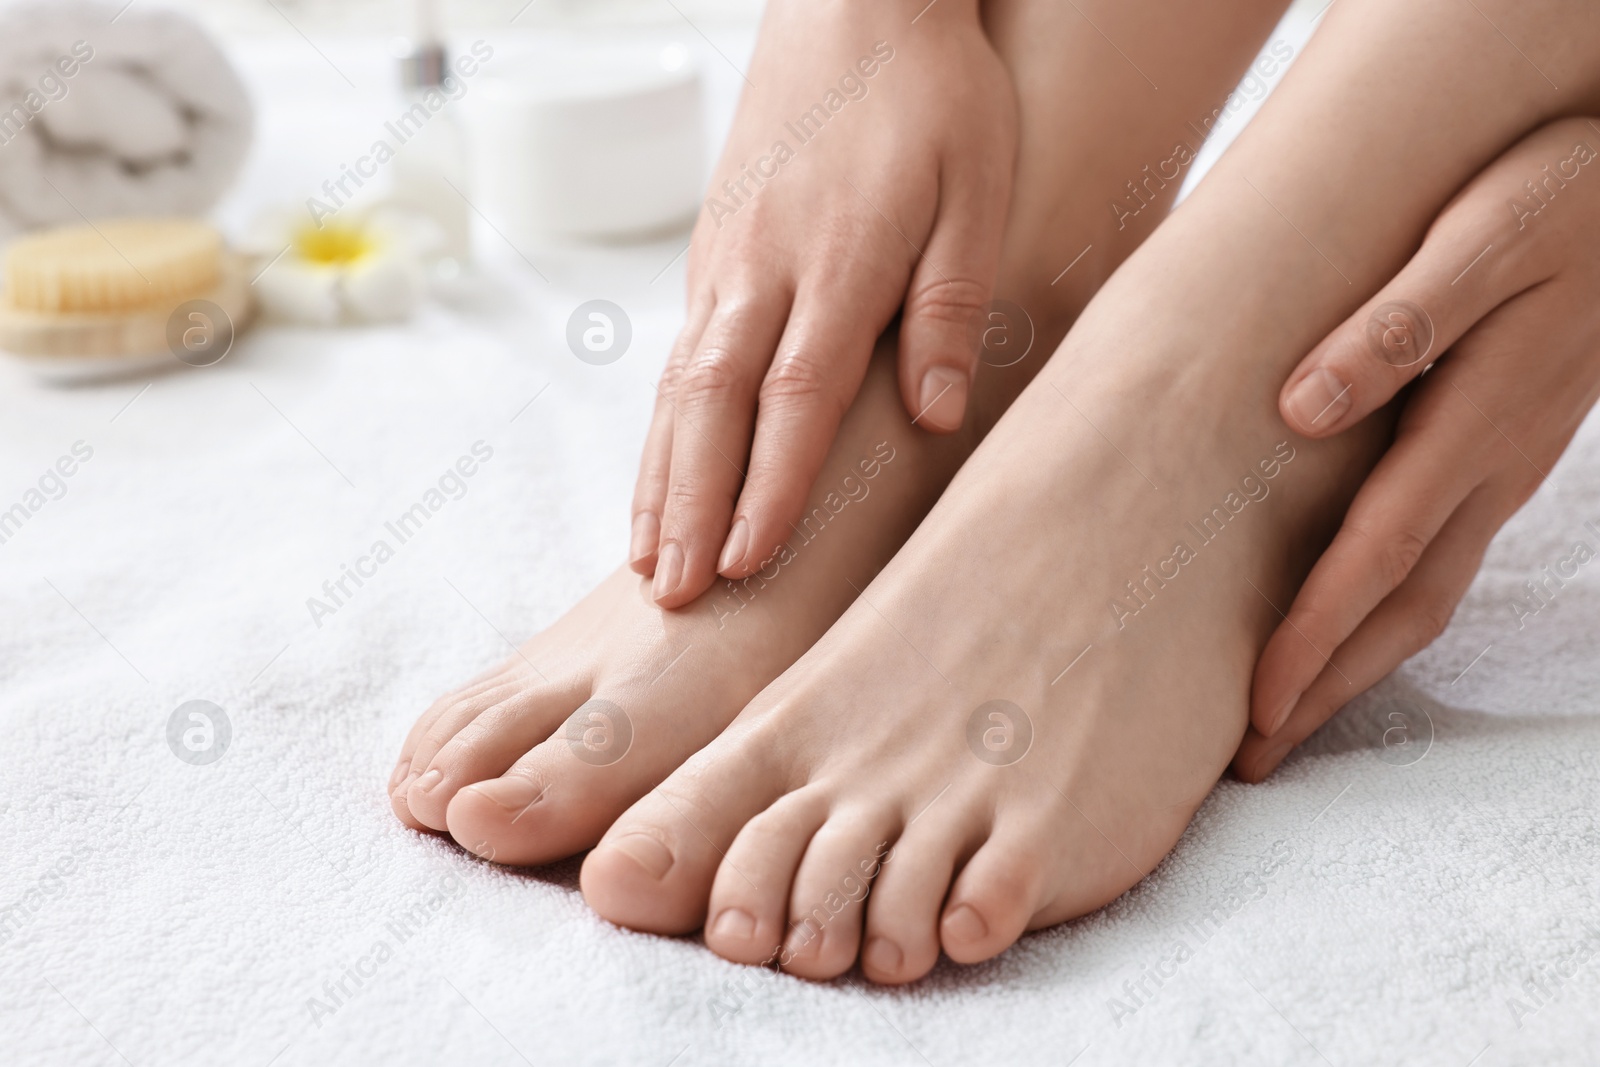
(1017, 719)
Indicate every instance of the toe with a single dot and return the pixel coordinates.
(442, 719)
(654, 868)
(561, 795)
(994, 897)
(828, 901)
(749, 911)
(484, 748)
(902, 938)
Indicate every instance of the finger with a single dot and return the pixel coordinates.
(714, 407)
(1398, 511)
(1453, 281)
(820, 364)
(655, 465)
(1407, 621)
(950, 285)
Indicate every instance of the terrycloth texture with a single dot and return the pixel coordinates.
(113, 108)
(1350, 911)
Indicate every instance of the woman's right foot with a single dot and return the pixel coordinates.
(531, 762)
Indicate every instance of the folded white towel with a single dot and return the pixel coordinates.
(106, 112)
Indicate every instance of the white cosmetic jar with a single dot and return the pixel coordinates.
(589, 141)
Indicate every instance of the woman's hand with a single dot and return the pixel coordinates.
(1506, 287)
(869, 170)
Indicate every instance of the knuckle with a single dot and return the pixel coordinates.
(712, 375)
(1432, 616)
(797, 376)
(1391, 552)
(952, 300)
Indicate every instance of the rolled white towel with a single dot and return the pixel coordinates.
(100, 118)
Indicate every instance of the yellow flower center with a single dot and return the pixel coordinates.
(334, 244)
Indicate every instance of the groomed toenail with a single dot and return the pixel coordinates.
(401, 769)
(883, 956)
(734, 924)
(647, 852)
(429, 780)
(516, 795)
(965, 924)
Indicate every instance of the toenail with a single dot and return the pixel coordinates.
(513, 794)
(647, 852)
(734, 925)
(429, 780)
(883, 956)
(669, 570)
(401, 769)
(965, 924)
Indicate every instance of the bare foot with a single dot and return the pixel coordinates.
(1028, 704)
(1017, 719)
(531, 762)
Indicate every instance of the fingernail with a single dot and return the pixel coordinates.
(1320, 400)
(1269, 760)
(1283, 715)
(943, 404)
(429, 780)
(734, 924)
(401, 769)
(738, 544)
(646, 532)
(647, 852)
(669, 570)
(965, 924)
(514, 794)
(883, 955)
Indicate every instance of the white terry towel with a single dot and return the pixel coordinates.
(107, 112)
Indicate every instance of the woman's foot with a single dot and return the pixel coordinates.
(1017, 719)
(532, 761)
(503, 765)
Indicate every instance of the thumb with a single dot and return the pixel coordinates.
(950, 287)
(1453, 281)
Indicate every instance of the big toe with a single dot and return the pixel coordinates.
(483, 748)
(654, 868)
